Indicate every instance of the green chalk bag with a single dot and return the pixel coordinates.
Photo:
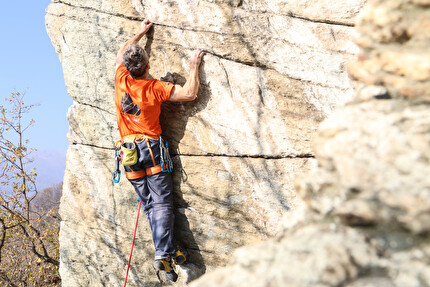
(128, 154)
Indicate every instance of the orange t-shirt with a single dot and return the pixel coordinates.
(138, 103)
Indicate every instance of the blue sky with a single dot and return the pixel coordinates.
(29, 63)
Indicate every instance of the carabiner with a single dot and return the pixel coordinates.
(169, 160)
(165, 161)
(116, 176)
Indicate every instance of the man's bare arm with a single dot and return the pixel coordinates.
(144, 27)
(189, 91)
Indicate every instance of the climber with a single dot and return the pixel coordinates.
(138, 101)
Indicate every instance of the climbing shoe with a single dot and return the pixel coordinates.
(179, 257)
(166, 266)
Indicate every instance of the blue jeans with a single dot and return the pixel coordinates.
(156, 195)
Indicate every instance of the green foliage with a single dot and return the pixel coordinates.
(29, 249)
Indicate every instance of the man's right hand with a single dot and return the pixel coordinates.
(189, 91)
(196, 59)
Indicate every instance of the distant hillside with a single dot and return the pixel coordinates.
(48, 199)
(50, 166)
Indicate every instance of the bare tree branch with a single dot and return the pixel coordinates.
(31, 232)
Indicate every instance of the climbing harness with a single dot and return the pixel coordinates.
(165, 160)
(126, 153)
(132, 244)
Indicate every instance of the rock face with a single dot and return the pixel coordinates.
(368, 200)
(273, 70)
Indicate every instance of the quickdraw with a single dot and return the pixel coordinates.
(165, 160)
(116, 176)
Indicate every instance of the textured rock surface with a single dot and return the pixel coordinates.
(338, 255)
(401, 30)
(368, 200)
(273, 71)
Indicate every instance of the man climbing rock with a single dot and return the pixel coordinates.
(138, 102)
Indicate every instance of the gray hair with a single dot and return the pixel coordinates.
(135, 60)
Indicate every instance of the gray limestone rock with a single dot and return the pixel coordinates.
(273, 70)
(367, 202)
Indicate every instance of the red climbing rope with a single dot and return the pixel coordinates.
(131, 252)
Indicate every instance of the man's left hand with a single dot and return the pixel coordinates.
(145, 25)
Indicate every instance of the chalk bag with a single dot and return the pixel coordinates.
(128, 154)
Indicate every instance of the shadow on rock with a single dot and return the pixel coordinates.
(173, 119)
